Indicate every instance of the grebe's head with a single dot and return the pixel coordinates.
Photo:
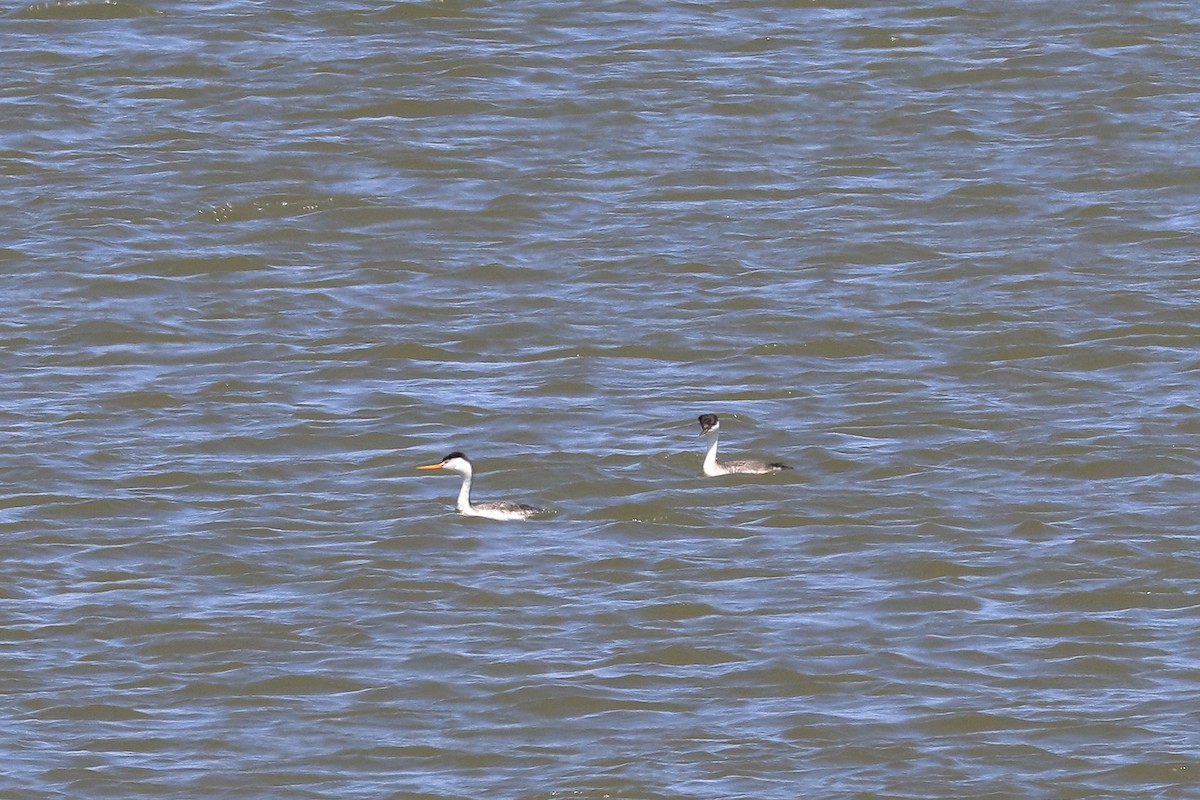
(455, 462)
(709, 423)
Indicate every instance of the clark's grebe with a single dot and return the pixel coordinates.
(458, 462)
(710, 426)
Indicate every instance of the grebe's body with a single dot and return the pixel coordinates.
(710, 427)
(458, 462)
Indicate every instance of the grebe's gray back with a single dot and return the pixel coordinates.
(710, 426)
(458, 462)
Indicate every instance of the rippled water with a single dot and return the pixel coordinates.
(263, 259)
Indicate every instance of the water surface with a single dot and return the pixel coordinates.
(264, 259)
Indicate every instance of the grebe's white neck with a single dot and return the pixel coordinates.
(464, 494)
(711, 467)
(462, 467)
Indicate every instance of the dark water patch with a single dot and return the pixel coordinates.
(95, 712)
(1121, 599)
(84, 10)
(930, 602)
(603, 789)
(974, 722)
(874, 38)
(408, 11)
(421, 108)
(678, 611)
(1099, 468)
(565, 702)
(678, 656)
(185, 266)
(280, 206)
(101, 333)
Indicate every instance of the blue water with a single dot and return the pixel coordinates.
(264, 260)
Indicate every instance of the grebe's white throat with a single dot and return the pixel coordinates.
(458, 462)
(710, 426)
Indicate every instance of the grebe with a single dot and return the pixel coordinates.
(458, 462)
(710, 426)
